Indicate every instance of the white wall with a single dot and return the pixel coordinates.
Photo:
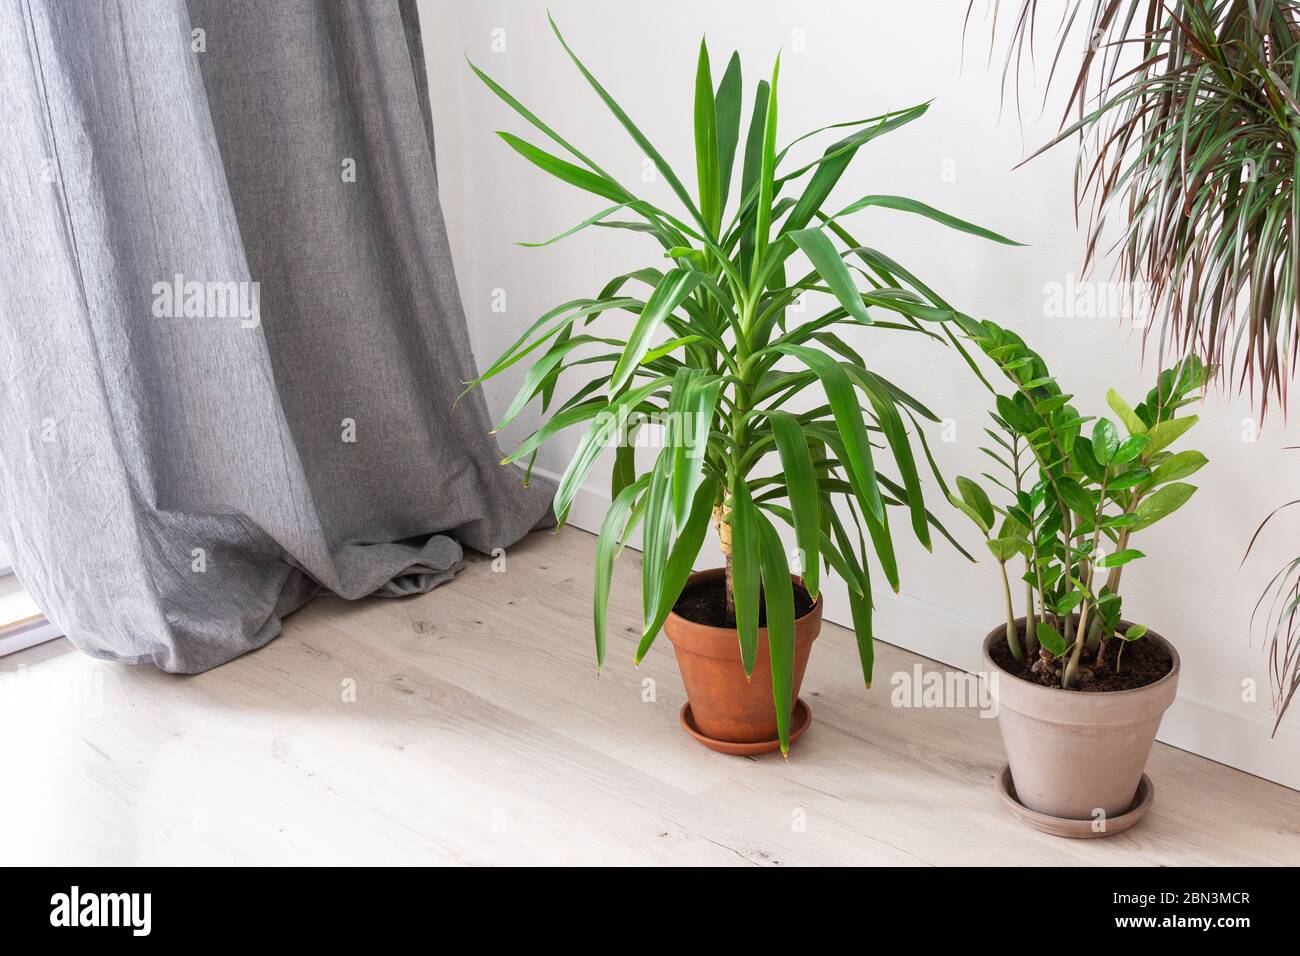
(844, 60)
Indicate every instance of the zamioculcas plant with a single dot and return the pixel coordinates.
(1072, 501)
(1073, 493)
(709, 344)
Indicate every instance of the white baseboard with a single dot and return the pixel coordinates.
(14, 639)
(1235, 737)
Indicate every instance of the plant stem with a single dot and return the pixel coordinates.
(1031, 562)
(740, 440)
(721, 521)
(1112, 584)
(1013, 639)
(1072, 668)
(1031, 619)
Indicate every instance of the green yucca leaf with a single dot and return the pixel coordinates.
(605, 426)
(672, 574)
(691, 408)
(727, 121)
(751, 170)
(564, 170)
(707, 165)
(802, 487)
(611, 530)
(675, 286)
(903, 204)
(848, 420)
(778, 594)
(746, 571)
(766, 175)
(826, 260)
(637, 136)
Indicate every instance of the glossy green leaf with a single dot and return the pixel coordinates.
(860, 605)
(1086, 460)
(1004, 549)
(1129, 449)
(833, 163)
(1162, 502)
(1119, 558)
(532, 118)
(1050, 638)
(1126, 414)
(623, 472)
(538, 373)
(1163, 434)
(1078, 499)
(1181, 465)
(589, 221)
(1017, 415)
(978, 499)
(1105, 441)
(1129, 479)
(970, 512)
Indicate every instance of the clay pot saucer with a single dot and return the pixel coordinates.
(799, 721)
(1076, 829)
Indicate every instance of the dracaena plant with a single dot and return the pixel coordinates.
(712, 348)
(1189, 118)
(1070, 502)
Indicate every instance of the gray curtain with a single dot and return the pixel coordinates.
(178, 472)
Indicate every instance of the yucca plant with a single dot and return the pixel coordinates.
(714, 350)
(1188, 119)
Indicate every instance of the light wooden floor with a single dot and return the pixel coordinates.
(480, 734)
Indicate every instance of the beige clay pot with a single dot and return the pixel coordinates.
(1071, 752)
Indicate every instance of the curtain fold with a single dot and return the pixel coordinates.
(232, 338)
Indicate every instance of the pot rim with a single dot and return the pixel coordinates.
(709, 573)
(999, 633)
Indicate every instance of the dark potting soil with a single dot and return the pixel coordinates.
(1143, 662)
(706, 603)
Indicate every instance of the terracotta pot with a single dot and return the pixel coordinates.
(1074, 752)
(725, 705)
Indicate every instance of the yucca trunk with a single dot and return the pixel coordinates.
(720, 520)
